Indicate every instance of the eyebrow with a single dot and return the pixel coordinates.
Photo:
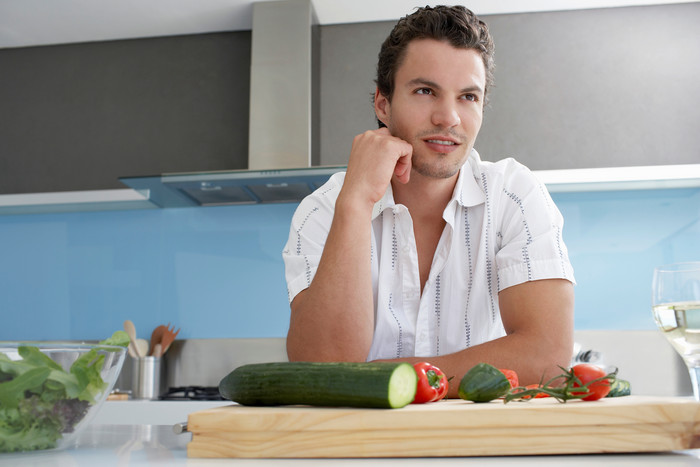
(432, 84)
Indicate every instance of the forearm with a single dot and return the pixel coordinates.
(538, 319)
(333, 320)
(532, 363)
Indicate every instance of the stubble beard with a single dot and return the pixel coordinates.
(436, 168)
(439, 166)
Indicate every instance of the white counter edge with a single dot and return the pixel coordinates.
(74, 201)
(621, 178)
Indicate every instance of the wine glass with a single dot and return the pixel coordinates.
(676, 308)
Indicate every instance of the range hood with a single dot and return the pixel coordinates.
(283, 163)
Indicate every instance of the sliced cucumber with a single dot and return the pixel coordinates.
(619, 388)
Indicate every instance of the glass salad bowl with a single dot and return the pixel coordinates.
(49, 391)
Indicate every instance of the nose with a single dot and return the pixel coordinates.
(445, 114)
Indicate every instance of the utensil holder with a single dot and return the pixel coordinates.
(147, 377)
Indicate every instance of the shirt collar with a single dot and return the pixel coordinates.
(386, 202)
(467, 190)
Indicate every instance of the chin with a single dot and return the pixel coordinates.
(432, 171)
(438, 169)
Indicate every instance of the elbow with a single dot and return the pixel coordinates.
(313, 338)
(550, 358)
(308, 350)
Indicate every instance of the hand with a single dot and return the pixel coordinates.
(376, 157)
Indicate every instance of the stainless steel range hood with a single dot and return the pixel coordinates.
(283, 137)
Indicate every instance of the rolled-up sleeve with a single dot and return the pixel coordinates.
(307, 236)
(530, 233)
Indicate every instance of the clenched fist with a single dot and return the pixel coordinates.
(375, 158)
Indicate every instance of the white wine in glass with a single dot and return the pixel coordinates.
(676, 308)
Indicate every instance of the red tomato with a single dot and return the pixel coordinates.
(593, 378)
(432, 383)
(512, 377)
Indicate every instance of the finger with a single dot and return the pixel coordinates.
(403, 169)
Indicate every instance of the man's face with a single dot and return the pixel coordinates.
(437, 105)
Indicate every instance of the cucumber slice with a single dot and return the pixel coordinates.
(619, 388)
(402, 386)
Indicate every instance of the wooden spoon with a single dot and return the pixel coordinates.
(142, 347)
(156, 338)
(131, 331)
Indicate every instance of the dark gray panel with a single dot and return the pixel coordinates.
(76, 117)
(348, 69)
(574, 89)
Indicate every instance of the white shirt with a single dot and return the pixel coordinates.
(502, 229)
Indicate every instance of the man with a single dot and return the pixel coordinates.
(421, 251)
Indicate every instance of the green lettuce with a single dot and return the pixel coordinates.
(39, 401)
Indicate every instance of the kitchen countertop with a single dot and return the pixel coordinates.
(149, 445)
(140, 433)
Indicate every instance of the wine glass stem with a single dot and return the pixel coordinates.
(695, 380)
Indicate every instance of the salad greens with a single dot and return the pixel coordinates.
(39, 400)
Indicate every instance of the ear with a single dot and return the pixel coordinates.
(382, 107)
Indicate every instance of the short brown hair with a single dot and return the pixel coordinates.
(455, 24)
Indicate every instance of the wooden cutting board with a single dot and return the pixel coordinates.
(448, 428)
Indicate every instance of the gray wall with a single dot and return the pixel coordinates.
(607, 87)
(590, 88)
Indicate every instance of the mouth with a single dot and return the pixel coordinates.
(441, 144)
(441, 141)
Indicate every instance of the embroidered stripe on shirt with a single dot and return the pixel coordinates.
(470, 273)
(561, 253)
(399, 343)
(437, 314)
(301, 227)
(489, 275)
(306, 258)
(548, 201)
(526, 254)
(308, 270)
(394, 243)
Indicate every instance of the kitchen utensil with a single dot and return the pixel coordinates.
(180, 428)
(156, 337)
(676, 308)
(131, 331)
(147, 377)
(448, 428)
(157, 350)
(168, 337)
(142, 347)
(131, 351)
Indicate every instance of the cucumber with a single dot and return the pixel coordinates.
(619, 388)
(483, 383)
(328, 384)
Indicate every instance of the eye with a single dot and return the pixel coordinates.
(426, 91)
(471, 97)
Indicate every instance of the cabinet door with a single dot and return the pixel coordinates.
(79, 116)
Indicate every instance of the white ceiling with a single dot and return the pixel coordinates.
(44, 22)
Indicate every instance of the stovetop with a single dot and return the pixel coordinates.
(192, 393)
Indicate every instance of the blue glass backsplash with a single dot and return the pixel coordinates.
(217, 272)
